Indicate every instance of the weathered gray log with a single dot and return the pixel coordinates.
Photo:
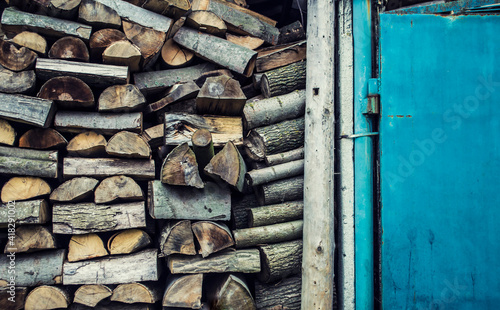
(279, 56)
(91, 294)
(67, 92)
(292, 33)
(268, 234)
(179, 92)
(34, 269)
(232, 293)
(17, 82)
(28, 162)
(183, 291)
(236, 58)
(281, 191)
(13, 19)
(93, 74)
(98, 15)
(284, 80)
(86, 218)
(277, 213)
(284, 157)
(141, 266)
(273, 110)
(103, 123)
(74, 190)
(121, 98)
(240, 204)
(245, 261)
(220, 95)
(30, 110)
(273, 173)
(282, 295)
(138, 169)
(177, 237)
(26, 212)
(212, 237)
(213, 202)
(280, 260)
(9, 302)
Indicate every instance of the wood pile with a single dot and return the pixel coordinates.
(151, 156)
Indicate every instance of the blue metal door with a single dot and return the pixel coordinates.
(440, 161)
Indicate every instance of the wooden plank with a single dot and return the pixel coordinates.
(103, 123)
(138, 169)
(245, 261)
(26, 212)
(29, 110)
(22, 161)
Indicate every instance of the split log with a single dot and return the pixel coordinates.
(68, 93)
(92, 74)
(9, 302)
(16, 59)
(131, 293)
(241, 6)
(36, 163)
(84, 247)
(31, 40)
(273, 173)
(180, 168)
(178, 24)
(128, 241)
(86, 144)
(292, 33)
(31, 238)
(184, 291)
(273, 110)
(228, 165)
(47, 297)
(156, 81)
(179, 128)
(233, 294)
(284, 157)
(206, 21)
(213, 202)
(245, 261)
(281, 191)
(42, 139)
(24, 188)
(173, 56)
(104, 123)
(69, 48)
(141, 266)
(114, 306)
(284, 80)
(98, 15)
(174, 8)
(245, 41)
(177, 93)
(28, 110)
(176, 237)
(56, 8)
(283, 295)
(91, 294)
(212, 237)
(154, 135)
(121, 98)
(203, 147)
(280, 56)
(84, 218)
(240, 204)
(220, 95)
(277, 213)
(138, 169)
(129, 145)
(235, 57)
(7, 133)
(203, 77)
(276, 138)
(34, 269)
(118, 188)
(101, 39)
(27, 212)
(280, 260)
(123, 53)
(12, 82)
(14, 20)
(281, 232)
(149, 41)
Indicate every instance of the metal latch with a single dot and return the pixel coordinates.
(372, 101)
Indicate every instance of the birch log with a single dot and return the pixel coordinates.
(268, 234)
(29, 110)
(265, 175)
(244, 261)
(138, 169)
(28, 162)
(104, 123)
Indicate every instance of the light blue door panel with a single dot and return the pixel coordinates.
(440, 161)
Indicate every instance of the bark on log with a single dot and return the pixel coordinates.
(84, 247)
(220, 95)
(30, 239)
(55, 8)
(47, 297)
(101, 39)
(131, 293)
(241, 59)
(93, 74)
(281, 191)
(279, 56)
(180, 168)
(184, 291)
(244, 261)
(141, 266)
(179, 92)
(123, 53)
(31, 40)
(129, 145)
(121, 98)
(285, 157)
(138, 169)
(86, 218)
(36, 163)
(74, 190)
(245, 41)
(203, 148)
(68, 93)
(9, 303)
(240, 204)
(103, 123)
(292, 33)
(284, 80)
(174, 56)
(87, 144)
(283, 295)
(241, 6)
(27, 212)
(213, 202)
(228, 166)
(128, 241)
(42, 139)
(98, 15)
(233, 294)
(280, 260)
(277, 213)
(149, 41)
(28, 110)
(69, 48)
(118, 188)
(17, 82)
(268, 234)
(91, 294)
(206, 21)
(16, 59)
(212, 237)
(24, 188)
(176, 237)
(32, 269)
(173, 8)
(274, 173)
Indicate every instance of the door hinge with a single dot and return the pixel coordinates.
(372, 101)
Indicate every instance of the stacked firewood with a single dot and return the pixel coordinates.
(151, 156)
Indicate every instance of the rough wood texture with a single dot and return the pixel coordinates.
(98, 15)
(238, 5)
(28, 162)
(149, 41)
(68, 93)
(220, 95)
(180, 168)
(74, 190)
(279, 56)
(176, 237)
(179, 128)
(228, 165)
(29, 110)
(280, 260)
(203, 147)
(174, 56)
(284, 80)
(282, 295)
(16, 59)
(17, 82)
(212, 237)
(92, 74)
(141, 266)
(129, 145)
(7, 301)
(31, 238)
(128, 241)
(281, 191)
(123, 53)
(47, 297)
(69, 48)
(101, 39)
(104, 123)
(233, 294)
(91, 294)
(31, 40)
(203, 77)
(273, 173)
(213, 202)
(42, 139)
(245, 41)
(138, 169)
(292, 33)
(121, 98)
(268, 234)
(27, 212)
(184, 291)
(240, 204)
(118, 188)
(177, 93)
(235, 57)
(86, 144)
(34, 269)
(244, 261)
(86, 218)
(131, 293)
(66, 9)
(83, 247)
(13, 19)
(277, 213)
(206, 21)
(7, 133)
(285, 157)
(154, 135)
(24, 188)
